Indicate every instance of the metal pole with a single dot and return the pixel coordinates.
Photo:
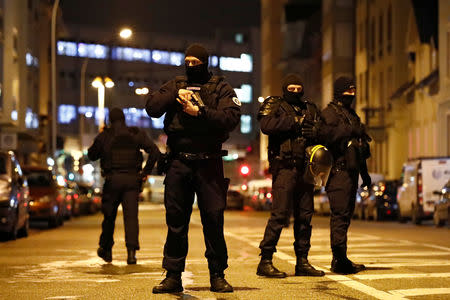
(83, 97)
(53, 54)
(101, 106)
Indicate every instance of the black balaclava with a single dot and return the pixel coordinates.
(341, 85)
(116, 116)
(292, 97)
(199, 73)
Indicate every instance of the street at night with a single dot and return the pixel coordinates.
(403, 261)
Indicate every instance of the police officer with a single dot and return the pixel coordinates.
(201, 110)
(118, 149)
(348, 142)
(289, 121)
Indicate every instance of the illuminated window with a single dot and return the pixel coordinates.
(131, 54)
(66, 113)
(67, 48)
(136, 117)
(31, 119)
(244, 93)
(176, 58)
(93, 51)
(246, 124)
(161, 57)
(237, 64)
(239, 38)
(213, 61)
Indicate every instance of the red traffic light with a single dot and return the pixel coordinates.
(244, 170)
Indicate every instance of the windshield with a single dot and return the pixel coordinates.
(39, 179)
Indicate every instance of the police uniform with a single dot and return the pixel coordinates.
(283, 120)
(348, 142)
(195, 167)
(118, 149)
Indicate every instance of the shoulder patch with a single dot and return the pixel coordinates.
(236, 101)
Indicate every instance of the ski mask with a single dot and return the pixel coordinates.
(341, 85)
(199, 73)
(292, 97)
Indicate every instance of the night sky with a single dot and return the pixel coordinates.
(199, 17)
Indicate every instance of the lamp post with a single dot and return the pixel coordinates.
(100, 84)
(125, 33)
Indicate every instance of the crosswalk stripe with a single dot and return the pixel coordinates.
(397, 276)
(421, 292)
(391, 254)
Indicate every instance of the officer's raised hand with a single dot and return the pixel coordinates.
(310, 129)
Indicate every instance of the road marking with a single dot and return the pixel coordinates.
(409, 264)
(397, 276)
(392, 254)
(347, 281)
(421, 292)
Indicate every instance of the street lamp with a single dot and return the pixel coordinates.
(126, 33)
(100, 83)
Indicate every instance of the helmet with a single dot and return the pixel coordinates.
(319, 163)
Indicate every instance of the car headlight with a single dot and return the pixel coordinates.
(43, 199)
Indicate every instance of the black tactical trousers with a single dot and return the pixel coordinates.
(120, 188)
(341, 189)
(289, 190)
(185, 178)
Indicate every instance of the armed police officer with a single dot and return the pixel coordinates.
(347, 140)
(201, 110)
(119, 150)
(291, 123)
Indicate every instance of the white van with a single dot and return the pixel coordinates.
(420, 177)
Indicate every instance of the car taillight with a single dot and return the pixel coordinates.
(68, 197)
(419, 188)
(75, 196)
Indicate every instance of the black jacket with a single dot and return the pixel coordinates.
(191, 134)
(102, 147)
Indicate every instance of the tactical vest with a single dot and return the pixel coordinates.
(177, 121)
(123, 153)
(291, 146)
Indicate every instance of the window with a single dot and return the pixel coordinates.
(239, 38)
(244, 63)
(67, 48)
(93, 51)
(213, 61)
(158, 123)
(244, 93)
(66, 114)
(31, 119)
(136, 117)
(246, 124)
(161, 57)
(176, 58)
(380, 37)
(389, 30)
(131, 54)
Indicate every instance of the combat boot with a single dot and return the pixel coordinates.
(266, 268)
(304, 268)
(219, 284)
(131, 260)
(105, 254)
(170, 284)
(345, 266)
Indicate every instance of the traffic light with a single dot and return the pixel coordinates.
(244, 170)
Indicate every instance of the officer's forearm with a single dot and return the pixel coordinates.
(274, 125)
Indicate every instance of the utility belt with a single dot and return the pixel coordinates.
(119, 171)
(198, 156)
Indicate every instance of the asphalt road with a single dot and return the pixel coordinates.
(404, 262)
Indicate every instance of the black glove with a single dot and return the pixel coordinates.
(367, 181)
(298, 123)
(310, 129)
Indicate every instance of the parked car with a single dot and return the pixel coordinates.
(321, 202)
(89, 202)
(442, 207)
(420, 178)
(235, 199)
(381, 203)
(46, 203)
(14, 197)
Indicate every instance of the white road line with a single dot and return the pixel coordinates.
(397, 276)
(347, 281)
(421, 292)
(392, 254)
(409, 264)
